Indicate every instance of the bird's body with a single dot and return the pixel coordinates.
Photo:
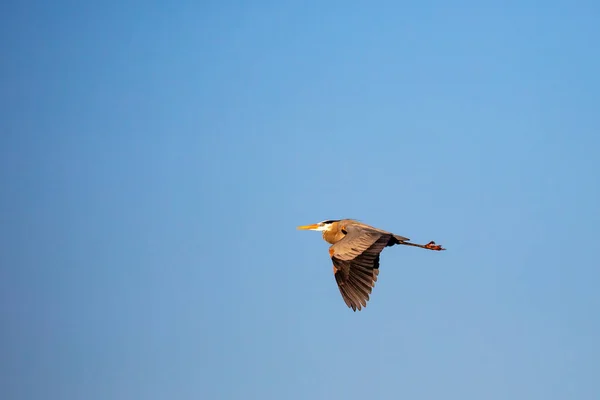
(355, 249)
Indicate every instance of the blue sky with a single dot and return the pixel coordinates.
(155, 159)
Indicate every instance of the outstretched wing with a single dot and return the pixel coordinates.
(356, 262)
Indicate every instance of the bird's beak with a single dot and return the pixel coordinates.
(308, 227)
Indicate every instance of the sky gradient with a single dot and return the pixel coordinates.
(156, 158)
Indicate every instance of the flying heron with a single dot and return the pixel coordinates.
(354, 250)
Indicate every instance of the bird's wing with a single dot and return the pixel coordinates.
(356, 262)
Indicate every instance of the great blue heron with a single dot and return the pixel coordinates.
(354, 250)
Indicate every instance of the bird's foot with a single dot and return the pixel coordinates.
(432, 246)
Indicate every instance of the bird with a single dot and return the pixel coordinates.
(354, 251)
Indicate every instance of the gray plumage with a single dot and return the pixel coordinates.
(354, 251)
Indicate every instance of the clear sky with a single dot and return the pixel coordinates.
(156, 158)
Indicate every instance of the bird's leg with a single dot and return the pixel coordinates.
(429, 246)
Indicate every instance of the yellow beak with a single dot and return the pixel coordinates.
(308, 227)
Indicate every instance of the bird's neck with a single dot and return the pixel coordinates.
(333, 235)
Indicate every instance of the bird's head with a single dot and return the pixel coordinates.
(320, 226)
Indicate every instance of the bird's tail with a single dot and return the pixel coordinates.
(397, 239)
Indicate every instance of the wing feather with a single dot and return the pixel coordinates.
(356, 261)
